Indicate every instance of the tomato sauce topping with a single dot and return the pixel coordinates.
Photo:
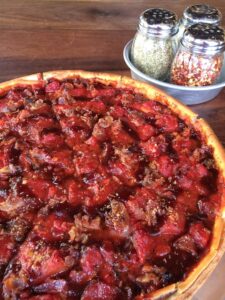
(104, 194)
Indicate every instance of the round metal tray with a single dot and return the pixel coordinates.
(187, 95)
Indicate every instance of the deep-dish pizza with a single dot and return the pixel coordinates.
(109, 189)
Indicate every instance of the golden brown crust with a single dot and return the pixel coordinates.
(185, 289)
(9, 84)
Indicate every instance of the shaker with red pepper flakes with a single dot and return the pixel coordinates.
(199, 59)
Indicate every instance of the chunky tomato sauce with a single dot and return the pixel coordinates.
(104, 194)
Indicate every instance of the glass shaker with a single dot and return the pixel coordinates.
(199, 13)
(199, 59)
(153, 46)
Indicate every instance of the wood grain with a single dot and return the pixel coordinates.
(41, 35)
(83, 15)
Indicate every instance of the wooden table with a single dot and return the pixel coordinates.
(41, 35)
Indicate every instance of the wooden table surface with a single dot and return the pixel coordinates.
(41, 35)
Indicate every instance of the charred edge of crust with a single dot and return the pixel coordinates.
(164, 293)
(158, 95)
(185, 289)
(4, 87)
(106, 78)
(219, 155)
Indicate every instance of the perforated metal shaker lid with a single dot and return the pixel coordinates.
(204, 38)
(201, 13)
(158, 22)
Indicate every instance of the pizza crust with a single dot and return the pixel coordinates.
(182, 290)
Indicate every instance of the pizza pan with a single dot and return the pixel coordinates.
(187, 95)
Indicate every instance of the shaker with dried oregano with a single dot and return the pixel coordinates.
(153, 46)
